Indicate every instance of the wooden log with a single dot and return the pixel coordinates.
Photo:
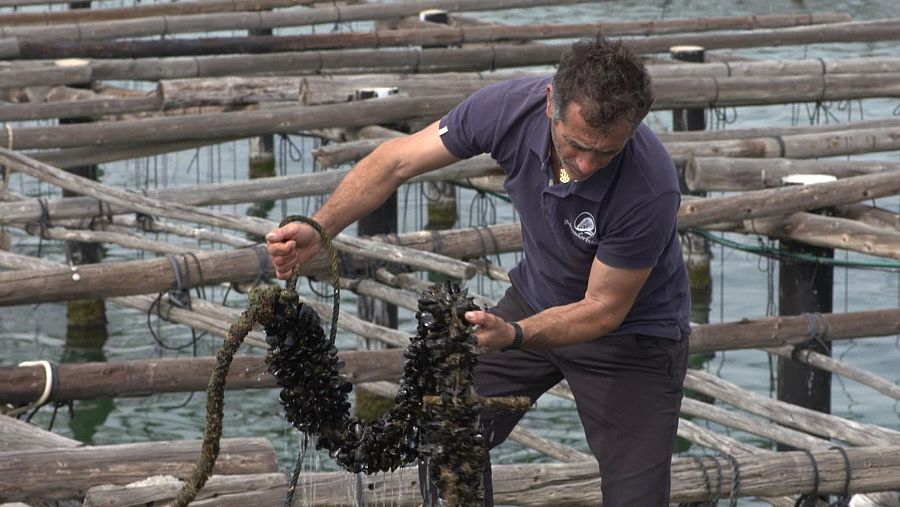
(168, 25)
(73, 157)
(219, 491)
(770, 474)
(426, 35)
(78, 381)
(790, 415)
(177, 9)
(9, 48)
(829, 232)
(361, 327)
(241, 265)
(778, 201)
(73, 72)
(741, 174)
(22, 436)
(870, 215)
(146, 205)
(711, 440)
(280, 187)
(827, 363)
(743, 91)
(50, 474)
(760, 132)
(778, 331)
(236, 124)
(754, 426)
(840, 142)
(92, 108)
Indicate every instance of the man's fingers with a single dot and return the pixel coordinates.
(282, 249)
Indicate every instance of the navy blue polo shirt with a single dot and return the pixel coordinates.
(624, 215)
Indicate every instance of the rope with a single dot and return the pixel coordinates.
(844, 499)
(812, 499)
(735, 481)
(260, 302)
(49, 380)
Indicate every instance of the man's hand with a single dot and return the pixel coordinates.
(293, 244)
(493, 332)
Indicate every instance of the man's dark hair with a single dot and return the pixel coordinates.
(606, 79)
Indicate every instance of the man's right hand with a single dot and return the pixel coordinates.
(293, 244)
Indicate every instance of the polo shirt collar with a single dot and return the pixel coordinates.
(594, 188)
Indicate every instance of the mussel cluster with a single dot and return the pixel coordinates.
(440, 362)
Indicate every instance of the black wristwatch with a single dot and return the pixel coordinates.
(517, 340)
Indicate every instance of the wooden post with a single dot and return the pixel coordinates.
(85, 318)
(806, 288)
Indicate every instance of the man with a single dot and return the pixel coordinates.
(601, 296)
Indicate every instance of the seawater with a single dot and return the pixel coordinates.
(743, 283)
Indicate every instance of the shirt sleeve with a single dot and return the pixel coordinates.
(469, 128)
(639, 236)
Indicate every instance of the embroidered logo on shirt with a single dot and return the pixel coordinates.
(584, 228)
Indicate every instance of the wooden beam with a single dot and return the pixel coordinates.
(60, 473)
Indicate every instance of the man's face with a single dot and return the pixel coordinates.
(583, 150)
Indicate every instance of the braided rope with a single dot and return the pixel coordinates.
(261, 301)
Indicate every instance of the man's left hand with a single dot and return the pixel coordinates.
(493, 333)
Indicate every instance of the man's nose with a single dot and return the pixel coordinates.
(589, 162)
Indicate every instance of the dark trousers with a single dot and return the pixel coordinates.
(627, 392)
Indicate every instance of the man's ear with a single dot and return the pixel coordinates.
(549, 101)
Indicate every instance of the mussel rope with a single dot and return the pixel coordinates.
(215, 391)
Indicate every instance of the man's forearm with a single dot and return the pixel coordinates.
(569, 324)
(364, 188)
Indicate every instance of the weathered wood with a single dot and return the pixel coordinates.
(770, 474)
(779, 201)
(241, 265)
(169, 375)
(22, 436)
(166, 25)
(754, 426)
(235, 124)
(74, 72)
(741, 174)
(175, 9)
(712, 440)
(778, 331)
(74, 157)
(670, 93)
(826, 144)
(428, 34)
(790, 415)
(68, 472)
(235, 192)
(827, 363)
(869, 215)
(361, 327)
(829, 232)
(219, 491)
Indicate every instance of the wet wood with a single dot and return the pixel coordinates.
(22, 436)
(770, 474)
(74, 72)
(828, 425)
(742, 174)
(233, 124)
(49, 474)
(752, 425)
(219, 491)
(423, 34)
(80, 381)
(778, 331)
(869, 215)
(779, 201)
(48, 17)
(168, 25)
(235, 192)
(829, 364)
